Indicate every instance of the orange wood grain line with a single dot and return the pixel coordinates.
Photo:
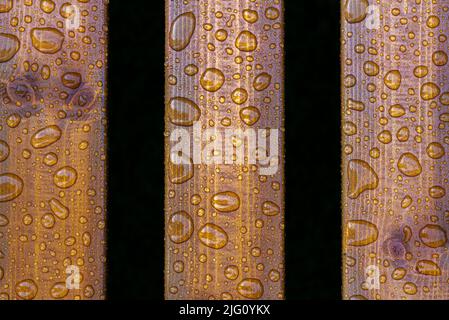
(395, 98)
(52, 149)
(224, 220)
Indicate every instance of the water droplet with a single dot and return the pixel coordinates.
(361, 177)
(272, 13)
(178, 266)
(59, 290)
(406, 202)
(433, 22)
(231, 272)
(4, 150)
(429, 91)
(48, 221)
(410, 288)
(26, 289)
(403, 134)
(399, 273)
(212, 79)
(183, 112)
(86, 239)
(65, 177)
(213, 236)
(180, 227)
(409, 165)
(239, 96)
(433, 236)
(191, 70)
(439, 58)
(355, 105)
(355, 10)
(50, 159)
(262, 81)
(437, 192)
(59, 210)
(435, 150)
(221, 35)
(3, 220)
(6, 6)
(227, 201)
(396, 111)
(10, 46)
(47, 6)
(180, 173)
(250, 16)
(371, 68)
(46, 137)
(421, 71)
(428, 268)
(250, 288)
(270, 208)
(360, 233)
(246, 41)
(181, 31)
(250, 115)
(393, 79)
(11, 187)
(385, 137)
(71, 80)
(47, 40)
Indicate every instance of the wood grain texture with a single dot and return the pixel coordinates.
(395, 144)
(52, 148)
(224, 220)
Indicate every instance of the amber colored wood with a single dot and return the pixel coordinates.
(395, 144)
(224, 222)
(52, 149)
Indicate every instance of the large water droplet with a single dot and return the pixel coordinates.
(409, 165)
(6, 5)
(180, 173)
(429, 91)
(11, 187)
(4, 150)
(393, 79)
(227, 201)
(360, 233)
(181, 31)
(46, 136)
(59, 290)
(246, 41)
(183, 112)
(71, 80)
(250, 115)
(59, 210)
(47, 40)
(213, 236)
(10, 44)
(428, 268)
(180, 227)
(433, 236)
(262, 81)
(361, 177)
(250, 288)
(270, 208)
(26, 289)
(355, 10)
(212, 79)
(65, 177)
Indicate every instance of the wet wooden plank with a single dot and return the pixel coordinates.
(52, 149)
(224, 219)
(394, 136)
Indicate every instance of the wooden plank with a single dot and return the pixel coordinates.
(395, 140)
(224, 220)
(52, 147)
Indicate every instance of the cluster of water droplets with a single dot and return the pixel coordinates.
(395, 135)
(52, 153)
(224, 222)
